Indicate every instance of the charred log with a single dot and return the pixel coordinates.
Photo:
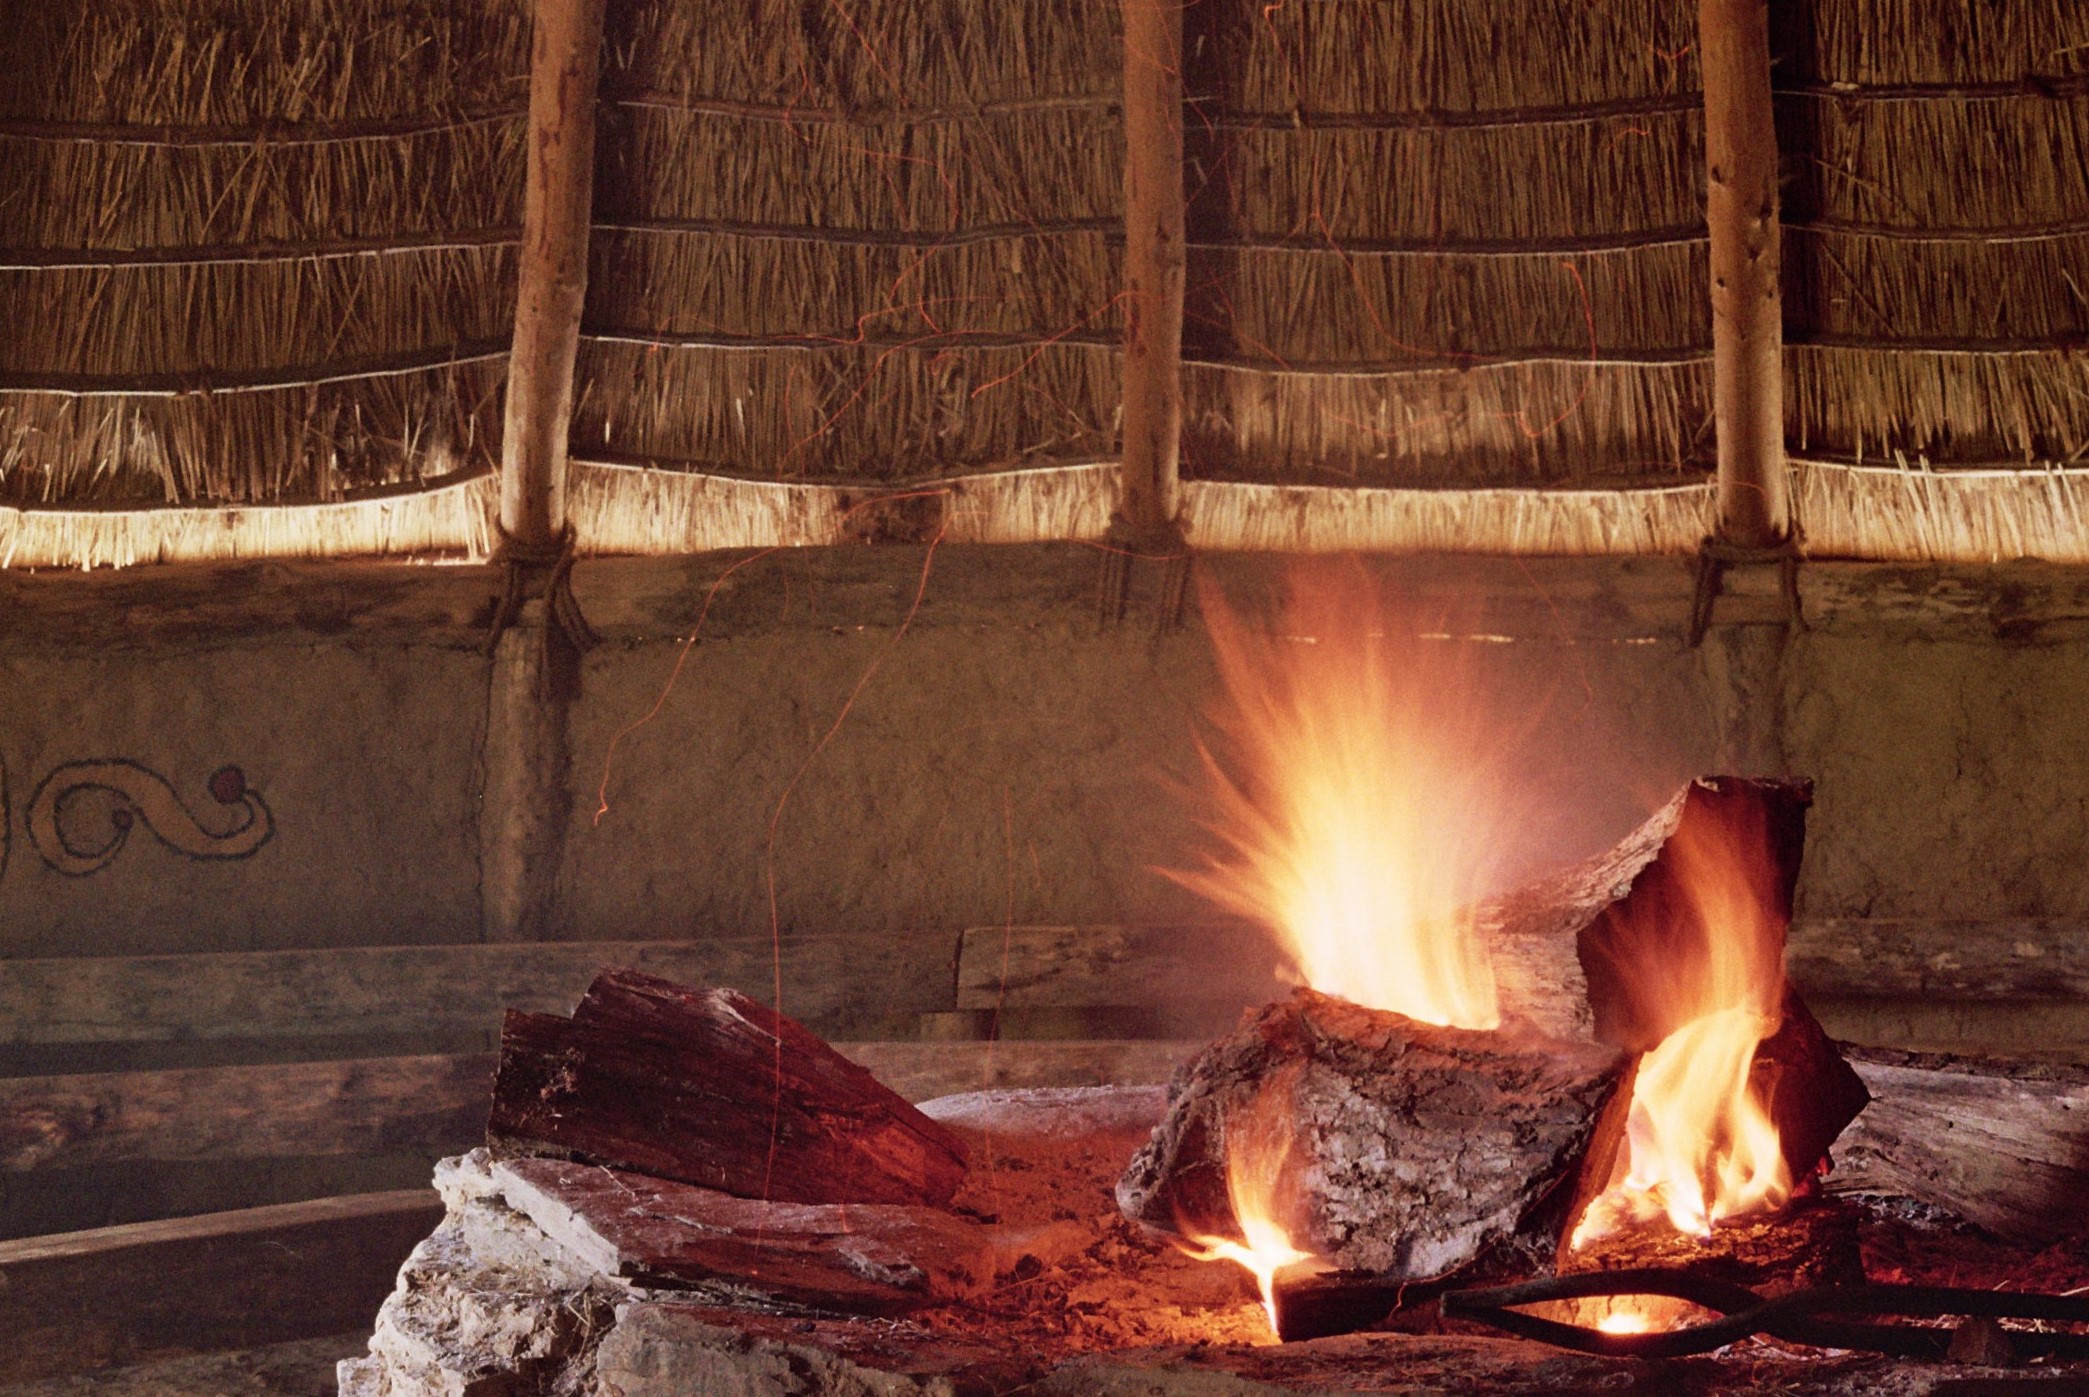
(709, 1087)
(1417, 1148)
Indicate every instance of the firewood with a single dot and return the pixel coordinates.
(2001, 1144)
(709, 1087)
(1418, 1148)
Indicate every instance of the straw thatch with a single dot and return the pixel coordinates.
(868, 54)
(1575, 177)
(1946, 41)
(312, 440)
(2003, 162)
(455, 519)
(762, 285)
(75, 193)
(1546, 421)
(624, 510)
(847, 410)
(1332, 56)
(1949, 406)
(934, 175)
(1339, 309)
(1909, 513)
(202, 63)
(1990, 290)
(240, 315)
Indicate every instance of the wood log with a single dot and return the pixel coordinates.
(2001, 1144)
(1417, 1149)
(80, 1301)
(852, 1258)
(711, 1088)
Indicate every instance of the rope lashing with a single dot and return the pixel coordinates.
(541, 570)
(1714, 557)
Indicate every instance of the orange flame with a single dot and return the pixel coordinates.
(1700, 1147)
(1363, 811)
(1257, 1141)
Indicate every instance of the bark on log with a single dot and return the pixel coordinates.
(2001, 1144)
(856, 1259)
(1420, 1149)
(711, 1088)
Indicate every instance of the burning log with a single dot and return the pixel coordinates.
(709, 1087)
(1419, 1148)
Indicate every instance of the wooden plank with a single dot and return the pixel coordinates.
(80, 1301)
(436, 1104)
(372, 1106)
(1027, 967)
(434, 989)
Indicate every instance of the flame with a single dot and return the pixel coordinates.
(1257, 1141)
(1700, 1147)
(1364, 810)
(1626, 1322)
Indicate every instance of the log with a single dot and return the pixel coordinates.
(1154, 268)
(1419, 1149)
(80, 1301)
(709, 1087)
(2001, 1144)
(850, 1258)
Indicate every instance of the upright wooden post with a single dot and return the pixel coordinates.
(538, 630)
(1747, 303)
(1149, 495)
(552, 270)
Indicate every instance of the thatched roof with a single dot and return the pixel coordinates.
(260, 253)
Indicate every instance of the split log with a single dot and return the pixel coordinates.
(2001, 1144)
(854, 1259)
(709, 1087)
(1421, 1148)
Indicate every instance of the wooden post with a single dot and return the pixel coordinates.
(1747, 305)
(1148, 495)
(524, 798)
(552, 273)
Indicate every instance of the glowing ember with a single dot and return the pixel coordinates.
(1258, 1143)
(1699, 1145)
(1626, 1322)
(1364, 805)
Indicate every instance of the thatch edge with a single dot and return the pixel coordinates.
(453, 519)
(1909, 513)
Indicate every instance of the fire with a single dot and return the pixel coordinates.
(1700, 1147)
(1257, 1146)
(1362, 812)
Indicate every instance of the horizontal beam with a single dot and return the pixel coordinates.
(1030, 967)
(423, 990)
(79, 1301)
(434, 1104)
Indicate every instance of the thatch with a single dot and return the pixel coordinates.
(1576, 177)
(766, 285)
(1541, 422)
(866, 54)
(1904, 512)
(933, 174)
(66, 192)
(241, 315)
(1948, 406)
(848, 410)
(455, 519)
(2008, 162)
(310, 441)
(200, 63)
(1328, 56)
(1335, 309)
(1951, 288)
(1944, 41)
